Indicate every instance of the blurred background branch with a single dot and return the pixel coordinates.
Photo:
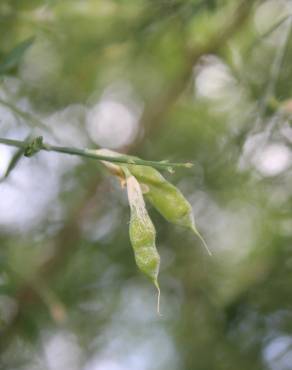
(181, 80)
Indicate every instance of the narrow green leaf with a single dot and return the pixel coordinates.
(14, 161)
(12, 59)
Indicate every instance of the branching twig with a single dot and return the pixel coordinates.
(268, 33)
(276, 68)
(27, 116)
(90, 153)
(255, 126)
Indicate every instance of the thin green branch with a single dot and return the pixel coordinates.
(25, 115)
(89, 153)
(268, 32)
(268, 96)
(274, 73)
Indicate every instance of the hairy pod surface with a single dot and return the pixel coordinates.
(142, 233)
(166, 198)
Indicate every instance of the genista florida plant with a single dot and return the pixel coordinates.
(165, 197)
(142, 181)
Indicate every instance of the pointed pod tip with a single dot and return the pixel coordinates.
(202, 240)
(188, 165)
(158, 297)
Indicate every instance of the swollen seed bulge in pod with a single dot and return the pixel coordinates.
(142, 233)
(166, 198)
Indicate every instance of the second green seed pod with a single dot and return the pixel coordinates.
(166, 198)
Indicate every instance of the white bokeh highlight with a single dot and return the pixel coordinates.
(135, 338)
(272, 160)
(278, 353)
(31, 191)
(61, 351)
(113, 121)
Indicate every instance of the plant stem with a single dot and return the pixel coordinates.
(89, 153)
(28, 117)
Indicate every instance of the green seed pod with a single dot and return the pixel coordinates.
(142, 233)
(166, 198)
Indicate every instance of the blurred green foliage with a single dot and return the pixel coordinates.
(124, 74)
